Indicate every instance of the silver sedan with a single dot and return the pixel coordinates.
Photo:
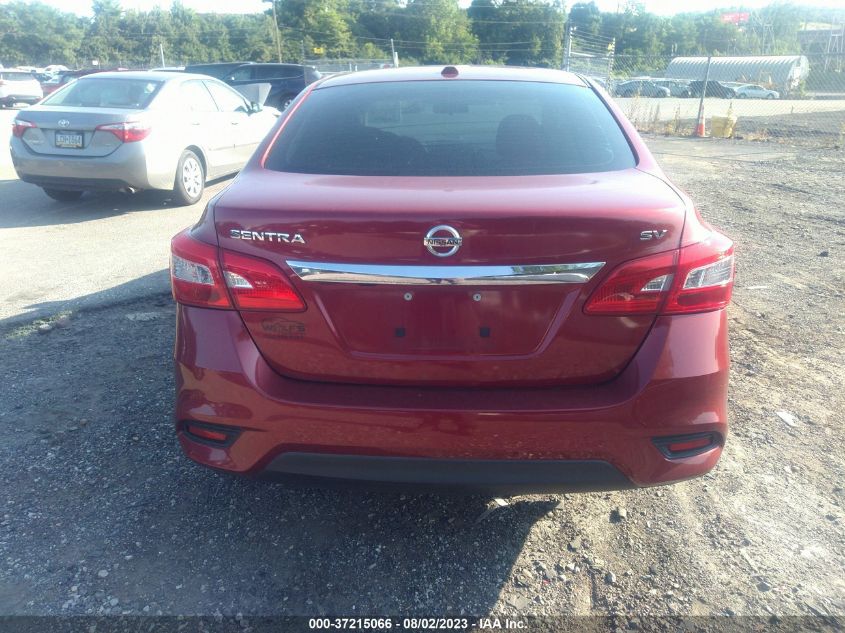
(137, 130)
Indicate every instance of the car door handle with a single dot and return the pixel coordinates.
(236, 122)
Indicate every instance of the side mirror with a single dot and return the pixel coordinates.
(255, 107)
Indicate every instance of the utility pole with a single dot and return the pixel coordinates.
(567, 44)
(700, 129)
(277, 34)
(161, 52)
(393, 54)
(302, 49)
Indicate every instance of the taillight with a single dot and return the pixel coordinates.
(195, 274)
(128, 131)
(636, 287)
(705, 277)
(256, 284)
(198, 279)
(697, 278)
(19, 127)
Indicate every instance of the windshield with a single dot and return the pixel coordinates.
(91, 92)
(460, 128)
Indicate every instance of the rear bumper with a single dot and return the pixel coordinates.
(510, 440)
(497, 476)
(128, 166)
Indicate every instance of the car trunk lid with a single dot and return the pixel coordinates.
(504, 309)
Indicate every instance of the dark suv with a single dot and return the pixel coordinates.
(286, 80)
(714, 89)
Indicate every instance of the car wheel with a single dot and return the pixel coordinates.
(190, 179)
(742, 96)
(63, 195)
(770, 96)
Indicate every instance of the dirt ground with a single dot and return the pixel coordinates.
(101, 514)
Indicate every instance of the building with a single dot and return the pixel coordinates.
(781, 72)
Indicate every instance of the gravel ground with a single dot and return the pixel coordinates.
(101, 514)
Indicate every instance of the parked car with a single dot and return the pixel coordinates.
(137, 130)
(753, 91)
(53, 83)
(676, 87)
(67, 76)
(473, 276)
(641, 88)
(18, 86)
(714, 89)
(286, 80)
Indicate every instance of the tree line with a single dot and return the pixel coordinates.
(516, 32)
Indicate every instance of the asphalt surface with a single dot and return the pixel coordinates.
(100, 514)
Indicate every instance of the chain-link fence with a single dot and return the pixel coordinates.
(795, 98)
(330, 66)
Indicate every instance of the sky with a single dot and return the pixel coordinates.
(661, 7)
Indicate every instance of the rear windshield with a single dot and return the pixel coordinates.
(8, 76)
(91, 92)
(451, 128)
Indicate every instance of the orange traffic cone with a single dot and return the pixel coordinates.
(699, 130)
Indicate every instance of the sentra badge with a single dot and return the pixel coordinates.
(266, 236)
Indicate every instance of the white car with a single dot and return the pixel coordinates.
(18, 86)
(137, 130)
(753, 91)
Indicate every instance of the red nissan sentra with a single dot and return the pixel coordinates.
(474, 277)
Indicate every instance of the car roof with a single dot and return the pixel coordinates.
(155, 75)
(274, 64)
(216, 64)
(433, 73)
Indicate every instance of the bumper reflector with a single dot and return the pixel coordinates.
(210, 433)
(678, 446)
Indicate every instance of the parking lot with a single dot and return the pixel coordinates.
(100, 513)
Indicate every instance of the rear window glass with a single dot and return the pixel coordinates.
(132, 94)
(457, 128)
(16, 76)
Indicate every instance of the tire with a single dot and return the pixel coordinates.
(742, 96)
(190, 179)
(770, 96)
(63, 195)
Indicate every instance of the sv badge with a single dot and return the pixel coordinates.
(653, 235)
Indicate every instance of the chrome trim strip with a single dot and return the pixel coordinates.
(445, 275)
